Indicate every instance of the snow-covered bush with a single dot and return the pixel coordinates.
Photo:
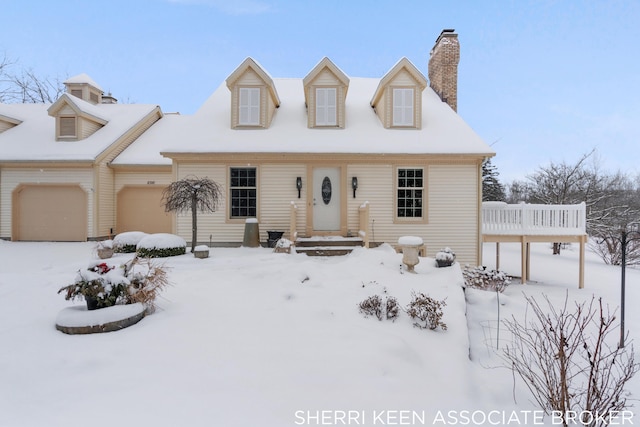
(428, 310)
(445, 257)
(161, 245)
(127, 242)
(104, 285)
(482, 278)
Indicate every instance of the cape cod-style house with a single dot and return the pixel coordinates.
(323, 155)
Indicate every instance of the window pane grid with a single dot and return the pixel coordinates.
(410, 193)
(244, 199)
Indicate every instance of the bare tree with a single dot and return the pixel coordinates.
(26, 86)
(192, 194)
(566, 360)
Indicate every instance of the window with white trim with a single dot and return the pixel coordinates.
(67, 127)
(403, 107)
(249, 106)
(410, 193)
(244, 199)
(326, 106)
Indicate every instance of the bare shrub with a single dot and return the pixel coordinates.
(488, 280)
(376, 306)
(428, 310)
(147, 279)
(392, 308)
(569, 362)
(372, 306)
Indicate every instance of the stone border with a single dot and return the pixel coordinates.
(110, 326)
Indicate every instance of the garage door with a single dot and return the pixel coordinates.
(50, 213)
(141, 209)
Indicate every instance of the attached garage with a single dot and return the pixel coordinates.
(53, 212)
(140, 208)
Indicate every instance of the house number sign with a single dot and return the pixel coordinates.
(326, 190)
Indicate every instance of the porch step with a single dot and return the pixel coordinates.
(327, 245)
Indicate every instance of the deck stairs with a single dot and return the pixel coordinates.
(327, 245)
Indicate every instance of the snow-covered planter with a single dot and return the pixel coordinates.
(445, 257)
(101, 285)
(128, 241)
(104, 285)
(488, 280)
(283, 246)
(161, 245)
(201, 251)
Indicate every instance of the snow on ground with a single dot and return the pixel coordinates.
(248, 337)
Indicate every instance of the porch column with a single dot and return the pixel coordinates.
(523, 259)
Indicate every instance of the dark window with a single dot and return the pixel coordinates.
(243, 193)
(410, 193)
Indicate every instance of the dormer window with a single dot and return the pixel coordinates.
(398, 99)
(249, 106)
(77, 93)
(254, 99)
(326, 106)
(403, 106)
(68, 127)
(325, 93)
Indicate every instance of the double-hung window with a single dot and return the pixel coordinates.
(249, 106)
(326, 102)
(410, 193)
(403, 107)
(243, 188)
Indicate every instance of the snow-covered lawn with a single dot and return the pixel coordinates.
(248, 337)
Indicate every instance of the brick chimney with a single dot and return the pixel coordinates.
(443, 67)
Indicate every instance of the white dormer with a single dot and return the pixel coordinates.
(7, 122)
(398, 98)
(253, 96)
(82, 86)
(325, 92)
(75, 119)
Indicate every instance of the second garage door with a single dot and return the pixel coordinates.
(141, 209)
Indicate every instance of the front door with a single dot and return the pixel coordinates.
(326, 199)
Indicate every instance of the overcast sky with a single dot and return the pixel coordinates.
(539, 80)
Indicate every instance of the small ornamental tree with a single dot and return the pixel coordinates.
(192, 194)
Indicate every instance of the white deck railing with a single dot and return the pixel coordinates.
(525, 219)
(363, 216)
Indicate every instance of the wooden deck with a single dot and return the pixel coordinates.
(525, 223)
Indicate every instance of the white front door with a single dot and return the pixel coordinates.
(326, 199)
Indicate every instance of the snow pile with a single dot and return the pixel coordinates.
(127, 240)
(410, 241)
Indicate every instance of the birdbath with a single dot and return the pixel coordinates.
(410, 246)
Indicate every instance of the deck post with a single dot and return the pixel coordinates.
(528, 261)
(523, 260)
(497, 255)
(581, 267)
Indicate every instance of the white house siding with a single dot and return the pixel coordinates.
(277, 191)
(12, 177)
(88, 128)
(5, 126)
(453, 210)
(451, 206)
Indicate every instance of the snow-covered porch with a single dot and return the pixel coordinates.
(525, 223)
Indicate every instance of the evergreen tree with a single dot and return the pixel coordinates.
(492, 189)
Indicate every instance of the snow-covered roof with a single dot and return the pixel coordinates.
(209, 129)
(35, 138)
(83, 78)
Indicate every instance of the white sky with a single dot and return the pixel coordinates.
(540, 80)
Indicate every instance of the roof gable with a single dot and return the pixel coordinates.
(250, 64)
(402, 65)
(326, 63)
(80, 107)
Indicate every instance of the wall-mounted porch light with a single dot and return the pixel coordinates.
(299, 185)
(354, 185)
